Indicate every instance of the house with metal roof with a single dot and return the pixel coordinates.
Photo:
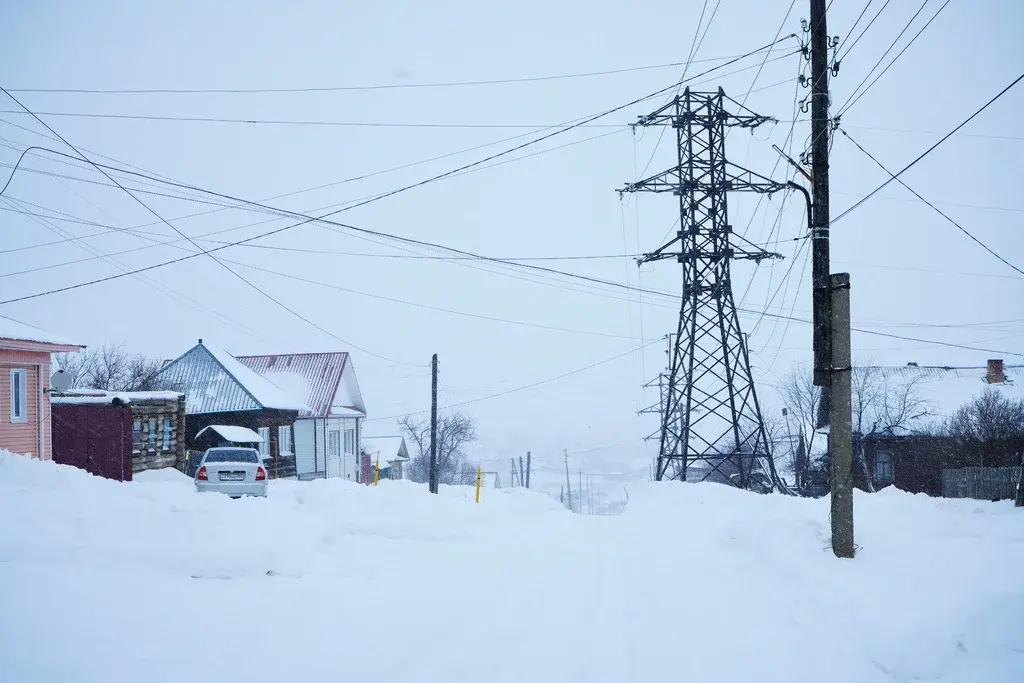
(328, 429)
(220, 390)
(389, 453)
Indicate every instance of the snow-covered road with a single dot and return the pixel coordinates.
(329, 581)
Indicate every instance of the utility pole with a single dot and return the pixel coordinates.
(433, 425)
(840, 435)
(820, 125)
(568, 483)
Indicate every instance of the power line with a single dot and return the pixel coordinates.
(855, 97)
(929, 150)
(267, 295)
(933, 207)
(531, 385)
(384, 86)
(870, 24)
(854, 26)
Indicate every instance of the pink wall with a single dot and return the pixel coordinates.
(32, 436)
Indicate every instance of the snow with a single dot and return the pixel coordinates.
(262, 389)
(88, 397)
(386, 446)
(234, 434)
(344, 411)
(13, 329)
(103, 581)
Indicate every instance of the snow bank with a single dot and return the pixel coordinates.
(328, 580)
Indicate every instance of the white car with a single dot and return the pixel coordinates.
(233, 471)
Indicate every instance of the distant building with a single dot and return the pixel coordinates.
(390, 451)
(328, 429)
(25, 361)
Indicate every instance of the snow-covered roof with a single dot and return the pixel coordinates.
(947, 388)
(19, 331)
(97, 397)
(214, 381)
(325, 381)
(390, 448)
(233, 433)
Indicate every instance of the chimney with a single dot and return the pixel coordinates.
(995, 372)
(200, 340)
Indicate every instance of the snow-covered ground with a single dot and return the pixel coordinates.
(330, 581)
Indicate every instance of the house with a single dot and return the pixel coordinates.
(930, 463)
(116, 434)
(25, 360)
(390, 451)
(220, 390)
(328, 429)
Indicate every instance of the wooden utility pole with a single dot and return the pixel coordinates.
(820, 125)
(433, 425)
(527, 469)
(840, 435)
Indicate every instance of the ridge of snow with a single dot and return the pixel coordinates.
(269, 394)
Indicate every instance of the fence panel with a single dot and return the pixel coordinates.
(981, 483)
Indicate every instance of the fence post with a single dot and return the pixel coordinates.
(479, 477)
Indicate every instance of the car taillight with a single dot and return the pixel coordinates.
(261, 474)
(201, 474)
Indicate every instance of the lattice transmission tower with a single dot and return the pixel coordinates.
(711, 422)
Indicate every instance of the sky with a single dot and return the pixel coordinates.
(495, 327)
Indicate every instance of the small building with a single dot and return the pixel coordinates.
(326, 436)
(390, 451)
(25, 361)
(220, 390)
(931, 463)
(115, 434)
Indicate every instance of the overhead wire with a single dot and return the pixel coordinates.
(928, 151)
(931, 205)
(250, 284)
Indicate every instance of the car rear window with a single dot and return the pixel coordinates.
(232, 455)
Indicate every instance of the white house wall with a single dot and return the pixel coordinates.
(305, 462)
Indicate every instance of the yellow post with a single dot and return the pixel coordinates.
(479, 477)
(376, 471)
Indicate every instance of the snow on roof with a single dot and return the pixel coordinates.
(947, 388)
(320, 379)
(19, 331)
(345, 411)
(233, 433)
(269, 394)
(98, 397)
(389, 447)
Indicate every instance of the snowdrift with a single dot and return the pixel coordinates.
(103, 581)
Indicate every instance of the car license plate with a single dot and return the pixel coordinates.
(232, 476)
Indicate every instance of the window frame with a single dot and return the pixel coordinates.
(264, 446)
(349, 441)
(20, 397)
(151, 423)
(168, 429)
(885, 469)
(285, 434)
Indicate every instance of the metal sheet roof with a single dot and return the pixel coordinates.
(312, 377)
(210, 386)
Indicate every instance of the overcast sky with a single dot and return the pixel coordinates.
(913, 273)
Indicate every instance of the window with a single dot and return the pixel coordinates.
(19, 396)
(883, 467)
(231, 455)
(350, 441)
(265, 443)
(152, 432)
(284, 440)
(168, 428)
(137, 429)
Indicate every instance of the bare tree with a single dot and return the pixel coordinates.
(990, 427)
(455, 431)
(882, 405)
(110, 368)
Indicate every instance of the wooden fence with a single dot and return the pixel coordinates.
(981, 483)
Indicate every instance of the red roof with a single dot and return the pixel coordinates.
(313, 377)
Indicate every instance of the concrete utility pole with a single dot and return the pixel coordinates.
(433, 425)
(840, 435)
(820, 125)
